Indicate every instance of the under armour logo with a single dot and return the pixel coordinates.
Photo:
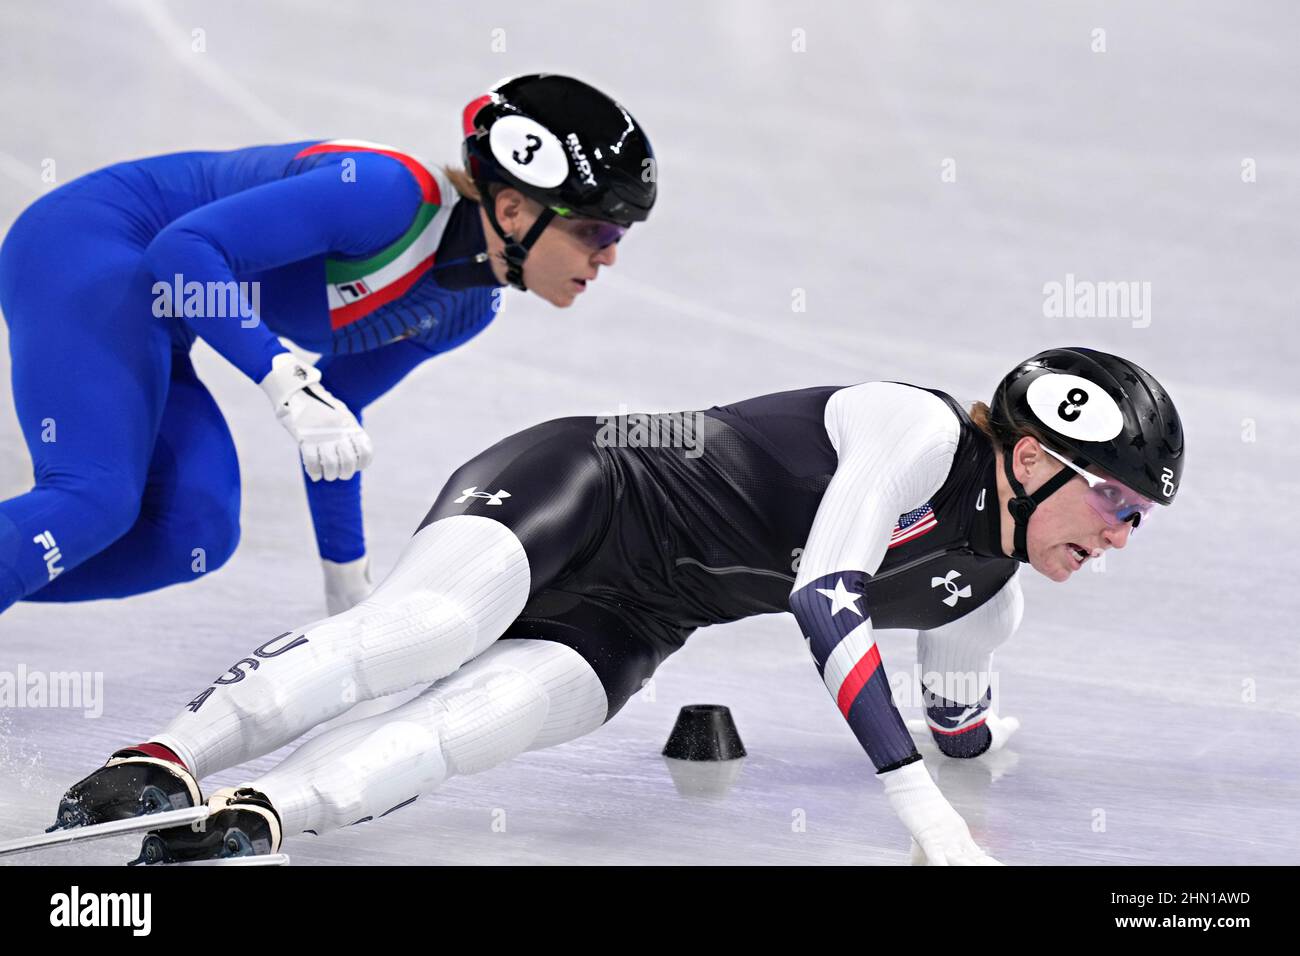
(959, 719)
(979, 502)
(1167, 482)
(473, 492)
(955, 594)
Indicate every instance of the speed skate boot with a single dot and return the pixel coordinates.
(146, 778)
(242, 823)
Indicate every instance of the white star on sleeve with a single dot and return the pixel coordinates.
(841, 598)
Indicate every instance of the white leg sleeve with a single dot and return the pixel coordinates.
(957, 659)
(518, 695)
(458, 585)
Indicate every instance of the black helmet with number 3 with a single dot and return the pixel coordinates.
(565, 144)
(1099, 409)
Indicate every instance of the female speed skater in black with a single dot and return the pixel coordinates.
(558, 568)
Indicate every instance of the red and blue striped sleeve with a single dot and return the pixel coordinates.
(836, 623)
(894, 447)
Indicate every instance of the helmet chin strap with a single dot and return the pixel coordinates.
(1023, 505)
(516, 251)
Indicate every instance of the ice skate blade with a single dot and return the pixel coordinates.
(98, 831)
(257, 859)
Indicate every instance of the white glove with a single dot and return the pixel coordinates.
(346, 584)
(1001, 729)
(330, 440)
(939, 834)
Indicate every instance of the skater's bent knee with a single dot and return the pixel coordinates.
(105, 505)
(440, 621)
(210, 533)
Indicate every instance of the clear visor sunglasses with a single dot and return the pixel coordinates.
(1115, 501)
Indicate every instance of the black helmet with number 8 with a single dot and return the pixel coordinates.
(1098, 409)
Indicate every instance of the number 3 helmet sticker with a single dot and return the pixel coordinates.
(528, 150)
(1074, 407)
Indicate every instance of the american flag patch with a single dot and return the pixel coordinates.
(913, 525)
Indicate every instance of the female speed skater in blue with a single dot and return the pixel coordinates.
(352, 250)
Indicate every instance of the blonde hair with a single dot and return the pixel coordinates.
(469, 190)
(980, 415)
(463, 183)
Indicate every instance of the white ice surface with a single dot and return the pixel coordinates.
(1160, 695)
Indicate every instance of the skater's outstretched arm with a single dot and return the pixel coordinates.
(314, 213)
(895, 446)
(295, 219)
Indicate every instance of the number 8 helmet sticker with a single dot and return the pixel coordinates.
(1074, 407)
